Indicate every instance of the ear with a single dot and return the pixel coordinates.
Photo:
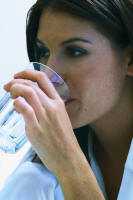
(130, 70)
(130, 63)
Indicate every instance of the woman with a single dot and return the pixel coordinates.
(90, 44)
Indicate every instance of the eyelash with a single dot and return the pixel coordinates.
(70, 51)
(41, 52)
(75, 52)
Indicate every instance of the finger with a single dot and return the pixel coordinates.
(42, 96)
(8, 85)
(42, 80)
(30, 96)
(31, 122)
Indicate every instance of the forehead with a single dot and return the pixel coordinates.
(61, 25)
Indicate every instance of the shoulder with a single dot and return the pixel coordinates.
(30, 181)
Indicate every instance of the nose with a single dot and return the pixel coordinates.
(57, 66)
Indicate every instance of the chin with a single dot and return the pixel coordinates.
(78, 122)
(80, 116)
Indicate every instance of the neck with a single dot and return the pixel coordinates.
(114, 131)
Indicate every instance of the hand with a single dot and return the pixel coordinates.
(48, 127)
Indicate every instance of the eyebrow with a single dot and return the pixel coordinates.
(77, 39)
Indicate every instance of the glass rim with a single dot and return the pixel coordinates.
(48, 67)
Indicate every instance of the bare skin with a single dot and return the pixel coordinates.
(105, 74)
(101, 83)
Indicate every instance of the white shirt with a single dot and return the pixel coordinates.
(33, 181)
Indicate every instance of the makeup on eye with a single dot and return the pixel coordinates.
(76, 47)
(75, 51)
(41, 51)
(71, 51)
(69, 48)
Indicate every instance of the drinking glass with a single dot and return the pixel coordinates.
(12, 126)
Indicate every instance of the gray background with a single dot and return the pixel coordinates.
(13, 54)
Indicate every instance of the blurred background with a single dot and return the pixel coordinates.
(13, 54)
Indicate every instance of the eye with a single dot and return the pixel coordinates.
(75, 52)
(41, 53)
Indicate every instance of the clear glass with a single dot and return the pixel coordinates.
(55, 78)
(12, 126)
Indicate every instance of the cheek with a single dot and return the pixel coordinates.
(99, 89)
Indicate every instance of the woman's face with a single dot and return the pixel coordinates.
(92, 69)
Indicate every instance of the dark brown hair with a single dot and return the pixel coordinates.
(114, 18)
